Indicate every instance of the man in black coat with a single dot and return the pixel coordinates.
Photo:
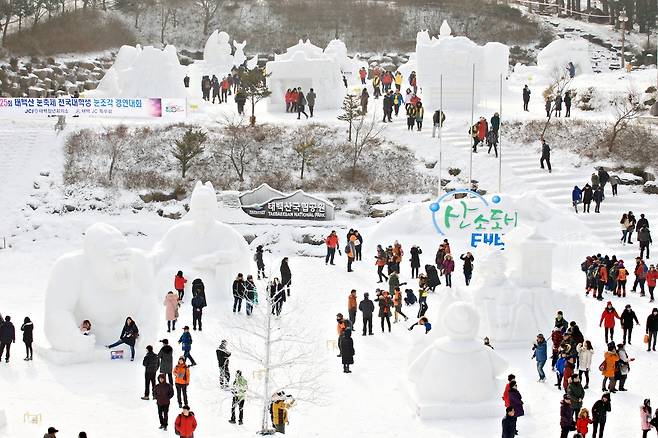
(367, 307)
(222, 361)
(166, 357)
(509, 423)
(7, 337)
(163, 393)
(627, 318)
(652, 329)
(545, 155)
(526, 97)
(151, 364)
(600, 413)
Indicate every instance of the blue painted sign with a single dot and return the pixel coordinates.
(486, 221)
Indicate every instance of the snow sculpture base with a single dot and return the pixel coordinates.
(453, 410)
(76, 357)
(454, 356)
(3, 419)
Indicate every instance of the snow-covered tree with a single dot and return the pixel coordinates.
(351, 112)
(188, 148)
(285, 358)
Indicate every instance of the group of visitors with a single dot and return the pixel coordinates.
(296, 101)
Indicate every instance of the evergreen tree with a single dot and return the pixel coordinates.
(253, 85)
(351, 111)
(188, 148)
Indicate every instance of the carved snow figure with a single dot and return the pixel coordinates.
(104, 283)
(202, 247)
(460, 353)
(239, 56)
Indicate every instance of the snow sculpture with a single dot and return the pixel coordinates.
(3, 418)
(518, 304)
(457, 354)
(202, 247)
(562, 51)
(104, 282)
(239, 57)
(217, 51)
(307, 66)
(252, 63)
(337, 50)
(490, 60)
(144, 72)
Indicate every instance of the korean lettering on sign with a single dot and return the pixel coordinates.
(487, 223)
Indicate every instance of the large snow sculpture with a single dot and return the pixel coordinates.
(517, 305)
(104, 282)
(560, 52)
(457, 357)
(337, 50)
(307, 66)
(144, 72)
(202, 247)
(217, 51)
(453, 58)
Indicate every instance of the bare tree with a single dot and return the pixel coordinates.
(559, 85)
(237, 145)
(306, 145)
(286, 359)
(626, 108)
(116, 141)
(188, 148)
(366, 136)
(208, 11)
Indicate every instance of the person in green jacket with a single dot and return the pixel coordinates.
(577, 394)
(239, 391)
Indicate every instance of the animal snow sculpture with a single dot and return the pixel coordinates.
(104, 282)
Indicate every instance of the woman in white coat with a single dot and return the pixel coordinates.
(585, 353)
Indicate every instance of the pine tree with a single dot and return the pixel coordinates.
(188, 148)
(351, 112)
(253, 85)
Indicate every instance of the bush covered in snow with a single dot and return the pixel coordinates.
(237, 157)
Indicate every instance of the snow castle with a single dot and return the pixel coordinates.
(453, 58)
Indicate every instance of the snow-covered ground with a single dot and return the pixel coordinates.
(103, 397)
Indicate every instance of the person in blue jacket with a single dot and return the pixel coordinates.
(424, 322)
(576, 197)
(559, 369)
(540, 354)
(186, 344)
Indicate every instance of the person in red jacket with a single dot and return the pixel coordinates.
(179, 284)
(185, 423)
(483, 129)
(332, 243)
(293, 100)
(511, 378)
(608, 321)
(288, 100)
(226, 85)
(652, 276)
(363, 74)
